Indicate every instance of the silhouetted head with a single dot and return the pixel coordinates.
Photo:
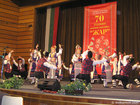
(46, 54)
(89, 54)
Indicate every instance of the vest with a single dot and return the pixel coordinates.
(40, 67)
(87, 66)
(22, 69)
(7, 68)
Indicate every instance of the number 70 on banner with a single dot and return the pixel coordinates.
(99, 18)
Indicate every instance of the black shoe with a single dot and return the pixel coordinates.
(106, 86)
(125, 87)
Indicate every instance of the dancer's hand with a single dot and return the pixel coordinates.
(131, 55)
(12, 57)
(58, 68)
(60, 46)
(12, 51)
(108, 59)
(37, 46)
(137, 63)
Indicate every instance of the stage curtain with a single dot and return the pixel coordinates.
(128, 39)
(40, 26)
(70, 31)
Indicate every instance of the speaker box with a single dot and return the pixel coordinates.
(49, 84)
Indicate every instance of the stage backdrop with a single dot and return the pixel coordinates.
(100, 28)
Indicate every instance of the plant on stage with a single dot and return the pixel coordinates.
(75, 88)
(12, 83)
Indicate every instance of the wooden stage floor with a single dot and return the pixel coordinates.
(97, 96)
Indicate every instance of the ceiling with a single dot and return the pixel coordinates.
(29, 2)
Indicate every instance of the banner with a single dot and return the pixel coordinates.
(100, 28)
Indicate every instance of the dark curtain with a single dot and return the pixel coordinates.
(128, 39)
(70, 28)
(40, 26)
(70, 31)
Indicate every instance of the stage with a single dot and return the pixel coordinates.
(97, 96)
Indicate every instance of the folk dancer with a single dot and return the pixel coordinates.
(98, 69)
(7, 65)
(20, 67)
(87, 65)
(137, 80)
(35, 55)
(77, 61)
(125, 71)
(115, 71)
(135, 68)
(71, 71)
(106, 70)
(55, 59)
(43, 67)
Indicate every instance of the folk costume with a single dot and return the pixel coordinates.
(71, 71)
(55, 59)
(87, 66)
(20, 66)
(35, 55)
(77, 61)
(43, 67)
(7, 66)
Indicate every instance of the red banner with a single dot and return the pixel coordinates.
(100, 28)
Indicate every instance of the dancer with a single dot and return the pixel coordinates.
(55, 59)
(87, 65)
(106, 70)
(137, 80)
(98, 69)
(43, 67)
(20, 67)
(77, 61)
(126, 69)
(71, 71)
(35, 56)
(107, 74)
(120, 63)
(123, 62)
(115, 71)
(7, 65)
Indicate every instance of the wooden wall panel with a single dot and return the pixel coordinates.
(17, 26)
(25, 36)
(8, 25)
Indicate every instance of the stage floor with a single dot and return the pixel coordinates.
(98, 91)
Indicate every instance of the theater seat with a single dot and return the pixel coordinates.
(10, 100)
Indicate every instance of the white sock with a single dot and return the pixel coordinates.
(105, 83)
(114, 83)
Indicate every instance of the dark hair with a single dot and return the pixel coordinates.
(70, 63)
(19, 59)
(131, 60)
(4, 54)
(46, 54)
(89, 54)
(99, 56)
